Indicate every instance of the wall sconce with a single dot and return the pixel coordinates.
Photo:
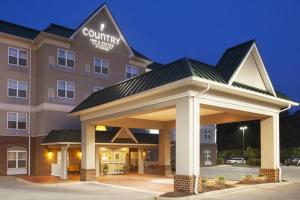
(49, 154)
(79, 154)
(101, 128)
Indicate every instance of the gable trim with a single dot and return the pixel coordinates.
(104, 6)
(129, 133)
(266, 79)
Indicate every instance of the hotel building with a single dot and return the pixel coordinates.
(83, 100)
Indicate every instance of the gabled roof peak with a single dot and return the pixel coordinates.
(252, 41)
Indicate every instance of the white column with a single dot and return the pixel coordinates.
(270, 155)
(140, 161)
(97, 161)
(63, 168)
(164, 147)
(187, 136)
(88, 164)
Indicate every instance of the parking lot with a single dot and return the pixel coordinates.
(291, 173)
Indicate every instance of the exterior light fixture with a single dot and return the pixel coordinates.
(50, 155)
(101, 128)
(79, 154)
(243, 128)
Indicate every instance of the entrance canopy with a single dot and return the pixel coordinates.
(186, 94)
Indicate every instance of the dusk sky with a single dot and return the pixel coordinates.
(168, 30)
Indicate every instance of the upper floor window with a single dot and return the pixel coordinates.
(207, 134)
(65, 58)
(101, 66)
(65, 89)
(97, 88)
(17, 89)
(16, 120)
(17, 57)
(131, 71)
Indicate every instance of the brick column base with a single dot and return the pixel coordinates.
(184, 183)
(87, 174)
(271, 174)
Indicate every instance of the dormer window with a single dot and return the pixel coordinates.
(65, 58)
(17, 57)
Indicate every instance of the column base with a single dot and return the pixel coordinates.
(271, 174)
(88, 175)
(184, 183)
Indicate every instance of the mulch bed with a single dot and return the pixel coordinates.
(204, 189)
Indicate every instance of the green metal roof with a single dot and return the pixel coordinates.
(18, 30)
(232, 58)
(174, 71)
(68, 136)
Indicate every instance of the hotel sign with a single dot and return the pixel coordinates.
(100, 39)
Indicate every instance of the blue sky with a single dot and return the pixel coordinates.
(168, 30)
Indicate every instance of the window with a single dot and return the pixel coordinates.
(131, 71)
(65, 89)
(16, 158)
(207, 134)
(207, 157)
(17, 89)
(16, 120)
(101, 66)
(97, 88)
(17, 57)
(65, 58)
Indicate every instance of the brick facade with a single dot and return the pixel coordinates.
(184, 183)
(88, 175)
(271, 174)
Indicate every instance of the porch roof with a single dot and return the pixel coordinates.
(74, 136)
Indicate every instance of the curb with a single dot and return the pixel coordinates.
(51, 184)
(225, 191)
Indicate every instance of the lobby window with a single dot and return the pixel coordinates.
(207, 134)
(131, 71)
(65, 58)
(17, 57)
(17, 89)
(16, 120)
(65, 89)
(207, 157)
(97, 88)
(101, 66)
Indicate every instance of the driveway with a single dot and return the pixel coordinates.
(12, 189)
(290, 173)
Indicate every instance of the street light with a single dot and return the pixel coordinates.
(243, 128)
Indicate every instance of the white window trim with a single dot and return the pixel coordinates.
(18, 49)
(17, 89)
(17, 120)
(131, 66)
(101, 66)
(17, 158)
(96, 86)
(65, 59)
(207, 152)
(66, 83)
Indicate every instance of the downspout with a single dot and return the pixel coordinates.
(29, 114)
(196, 171)
(285, 109)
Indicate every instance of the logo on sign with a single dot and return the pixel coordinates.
(100, 39)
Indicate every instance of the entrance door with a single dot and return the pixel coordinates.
(16, 160)
(115, 160)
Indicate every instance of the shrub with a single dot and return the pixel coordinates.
(220, 180)
(204, 181)
(248, 178)
(261, 178)
(253, 162)
(252, 153)
(220, 161)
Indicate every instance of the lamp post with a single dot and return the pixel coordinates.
(243, 128)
